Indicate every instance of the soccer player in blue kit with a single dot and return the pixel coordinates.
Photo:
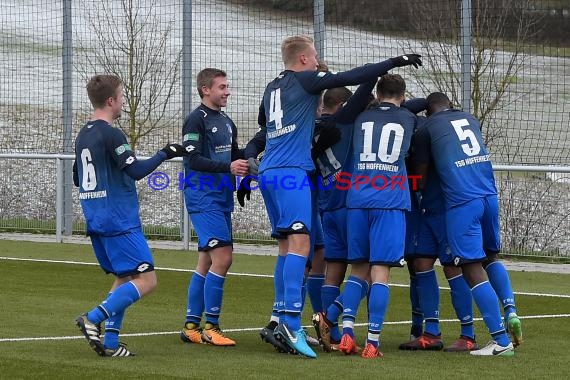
(377, 201)
(453, 139)
(429, 242)
(105, 170)
(290, 103)
(210, 138)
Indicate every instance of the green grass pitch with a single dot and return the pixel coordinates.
(42, 299)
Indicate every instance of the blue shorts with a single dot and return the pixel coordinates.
(317, 238)
(335, 229)
(317, 234)
(473, 230)
(376, 236)
(287, 200)
(123, 255)
(412, 225)
(432, 238)
(214, 229)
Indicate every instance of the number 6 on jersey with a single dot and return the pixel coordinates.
(89, 179)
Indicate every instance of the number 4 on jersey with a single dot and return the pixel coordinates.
(275, 111)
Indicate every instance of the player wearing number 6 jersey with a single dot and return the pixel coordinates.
(376, 201)
(290, 103)
(105, 171)
(453, 139)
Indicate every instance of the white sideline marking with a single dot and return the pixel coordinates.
(248, 274)
(247, 329)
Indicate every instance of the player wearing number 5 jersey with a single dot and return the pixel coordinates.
(453, 139)
(290, 103)
(377, 201)
(105, 171)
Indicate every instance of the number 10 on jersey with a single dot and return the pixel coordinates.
(383, 154)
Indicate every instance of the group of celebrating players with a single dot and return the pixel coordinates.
(313, 139)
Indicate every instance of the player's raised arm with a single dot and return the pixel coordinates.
(415, 105)
(356, 104)
(315, 82)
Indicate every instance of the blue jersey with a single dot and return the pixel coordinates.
(107, 194)
(290, 102)
(432, 199)
(336, 158)
(290, 112)
(380, 143)
(454, 141)
(210, 138)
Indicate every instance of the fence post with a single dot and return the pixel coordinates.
(466, 13)
(319, 26)
(67, 100)
(186, 100)
(58, 199)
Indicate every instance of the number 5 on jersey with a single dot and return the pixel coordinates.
(472, 147)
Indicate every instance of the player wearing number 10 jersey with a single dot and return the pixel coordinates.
(377, 202)
(290, 103)
(105, 171)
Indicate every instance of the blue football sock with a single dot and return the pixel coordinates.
(462, 302)
(353, 291)
(195, 306)
(213, 295)
(279, 287)
(121, 298)
(112, 329)
(486, 300)
(304, 292)
(379, 297)
(293, 273)
(417, 315)
(333, 312)
(314, 284)
(499, 279)
(328, 294)
(428, 292)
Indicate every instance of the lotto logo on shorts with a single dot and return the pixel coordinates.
(212, 243)
(143, 267)
(297, 226)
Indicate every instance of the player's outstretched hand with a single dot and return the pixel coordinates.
(239, 167)
(253, 164)
(174, 150)
(244, 190)
(407, 60)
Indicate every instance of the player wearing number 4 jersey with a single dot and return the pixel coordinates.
(105, 171)
(454, 141)
(290, 103)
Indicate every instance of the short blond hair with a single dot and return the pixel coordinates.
(293, 46)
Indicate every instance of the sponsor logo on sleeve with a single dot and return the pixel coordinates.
(122, 149)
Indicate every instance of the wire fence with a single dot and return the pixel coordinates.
(507, 61)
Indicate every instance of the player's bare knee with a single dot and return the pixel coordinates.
(422, 264)
(451, 271)
(299, 244)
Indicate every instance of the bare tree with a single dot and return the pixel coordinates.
(130, 41)
(499, 31)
